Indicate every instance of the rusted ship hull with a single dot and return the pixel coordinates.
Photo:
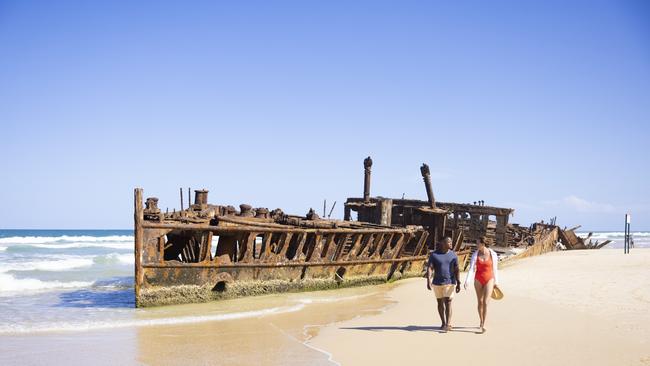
(210, 252)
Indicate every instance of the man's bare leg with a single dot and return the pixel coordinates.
(448, 312)
(441, 312)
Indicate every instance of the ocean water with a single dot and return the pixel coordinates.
(48, 278)
(641, 238)
(75, 280)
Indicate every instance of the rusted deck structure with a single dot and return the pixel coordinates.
(465, 223)
(208, 252)
(462, 222)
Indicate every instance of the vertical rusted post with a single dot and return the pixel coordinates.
(426, 177)
(181, 189)
(385, 211)
(189, 198)
(367, 164)
(346, 213)
(474, 226)
(502, 226)
(138, 217)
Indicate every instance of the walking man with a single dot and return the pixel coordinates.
(443, 262)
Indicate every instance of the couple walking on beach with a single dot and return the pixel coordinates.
(443, 267)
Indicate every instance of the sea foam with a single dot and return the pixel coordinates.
(10, 285)
(49, 264)
(65, 239)
(114, 258)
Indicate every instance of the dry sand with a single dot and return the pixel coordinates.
(563, 308)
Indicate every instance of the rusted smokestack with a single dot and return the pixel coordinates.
(426, 177)
(367, 164)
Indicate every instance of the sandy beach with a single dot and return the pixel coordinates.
(563, 308)
(578, 307)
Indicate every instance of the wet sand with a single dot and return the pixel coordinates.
(563, 308)
(582, 307)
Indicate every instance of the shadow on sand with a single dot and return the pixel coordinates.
(415, 328)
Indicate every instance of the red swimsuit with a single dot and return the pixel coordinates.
(484, 269)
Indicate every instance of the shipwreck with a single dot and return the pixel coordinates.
(206, 252)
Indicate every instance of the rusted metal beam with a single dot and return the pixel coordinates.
(230, 229)
(449, 206)
(284, 264)
(285, 240)
(401, 244)
(421, 243)
(331, 210)
(247, 247)
(137, 234)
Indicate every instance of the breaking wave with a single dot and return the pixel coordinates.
(113, 245)
(614, 234)
(10, 285)
(17, 244)
(114, 283)
(67, 263)
(49, 264)
(65, 239)
(114, 258)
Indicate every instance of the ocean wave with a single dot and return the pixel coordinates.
(10, 285)
(65, 239)
(615, 234)
(48, 264)
(111, 245)
(67, 262)
(114, 283)
(21, 328)
(114, 258)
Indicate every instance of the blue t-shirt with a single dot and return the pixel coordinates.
(443, 267)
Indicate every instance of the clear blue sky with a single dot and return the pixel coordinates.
(543, 107)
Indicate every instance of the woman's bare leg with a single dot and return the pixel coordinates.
(479, 297)
(487, 292)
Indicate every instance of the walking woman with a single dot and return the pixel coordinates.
(483, 272)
